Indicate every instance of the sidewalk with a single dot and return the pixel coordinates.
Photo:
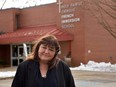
(94, 79)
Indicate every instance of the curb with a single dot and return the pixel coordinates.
(6, 78)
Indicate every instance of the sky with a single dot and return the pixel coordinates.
(23, 3)
(90, 66)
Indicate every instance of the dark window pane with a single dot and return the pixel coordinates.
(20, 60)
(15, 62)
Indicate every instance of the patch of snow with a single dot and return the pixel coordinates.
(94, 66)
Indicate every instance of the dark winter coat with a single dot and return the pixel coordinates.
(28, 75)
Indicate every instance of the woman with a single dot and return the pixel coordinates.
(42, 67)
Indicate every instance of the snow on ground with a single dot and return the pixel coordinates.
(90, 66)
(7, 74)
(94, 66)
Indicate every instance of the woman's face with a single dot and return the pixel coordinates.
(46, 53)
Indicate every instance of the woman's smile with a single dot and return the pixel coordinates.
(46, 53)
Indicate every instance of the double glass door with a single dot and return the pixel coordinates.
(18, 54)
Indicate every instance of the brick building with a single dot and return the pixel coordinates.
(81, 37)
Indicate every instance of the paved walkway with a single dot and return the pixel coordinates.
(82, 79)
(94, 79)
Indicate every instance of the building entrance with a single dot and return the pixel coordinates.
(17, 52)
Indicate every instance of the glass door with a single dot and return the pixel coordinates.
(18, 54)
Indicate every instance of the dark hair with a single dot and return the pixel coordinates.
(49, 40)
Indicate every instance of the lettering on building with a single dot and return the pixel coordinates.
(68, 17)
